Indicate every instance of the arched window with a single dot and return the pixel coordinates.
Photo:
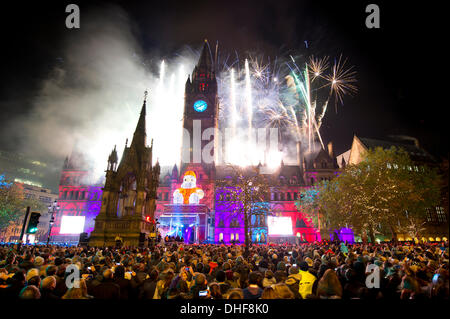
(231, 236)
(289, 196)
(237, 236)
(220, 236)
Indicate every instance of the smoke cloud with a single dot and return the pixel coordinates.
(92, 100)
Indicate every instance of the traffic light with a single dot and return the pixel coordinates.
(32, 223)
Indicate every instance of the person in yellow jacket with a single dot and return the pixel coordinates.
(305, 286)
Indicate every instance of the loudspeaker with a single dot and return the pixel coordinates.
(83, 239)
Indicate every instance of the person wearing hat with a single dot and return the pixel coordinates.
(33, 277)
(38, 261)
(293, 281)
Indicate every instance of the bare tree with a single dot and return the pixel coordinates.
(248, 188)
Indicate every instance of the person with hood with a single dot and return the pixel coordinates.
(305, 287)
(282, 291)
(329, 286)
(269, 279)
(293, 281)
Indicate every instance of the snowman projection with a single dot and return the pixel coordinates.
(188, 193)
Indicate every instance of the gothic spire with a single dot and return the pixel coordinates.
(205, 57)
(140, 135)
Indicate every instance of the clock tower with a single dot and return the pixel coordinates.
(200, 117)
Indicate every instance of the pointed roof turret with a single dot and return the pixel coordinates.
(205, 61)
(113, 158)
(175, 171)
(66, 162)
(140, 135)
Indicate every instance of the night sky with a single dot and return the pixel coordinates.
(398, 65)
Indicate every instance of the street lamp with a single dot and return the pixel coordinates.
(52, 209)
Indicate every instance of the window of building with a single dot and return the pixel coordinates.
(236, 236)
(231, 236)
(441, 214)
(281, 196)
(430, 216)
(289, 196)
(324, 165)
(220, 236)
(295, 196)
(166, 196)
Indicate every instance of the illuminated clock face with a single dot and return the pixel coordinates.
(200, 106)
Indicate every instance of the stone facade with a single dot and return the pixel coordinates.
(129, 195)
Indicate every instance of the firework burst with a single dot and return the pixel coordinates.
(317, 66)
(342, 80)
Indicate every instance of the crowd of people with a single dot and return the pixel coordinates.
(176, 270)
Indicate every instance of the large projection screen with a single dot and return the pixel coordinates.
(279, 226)
(72, 225)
